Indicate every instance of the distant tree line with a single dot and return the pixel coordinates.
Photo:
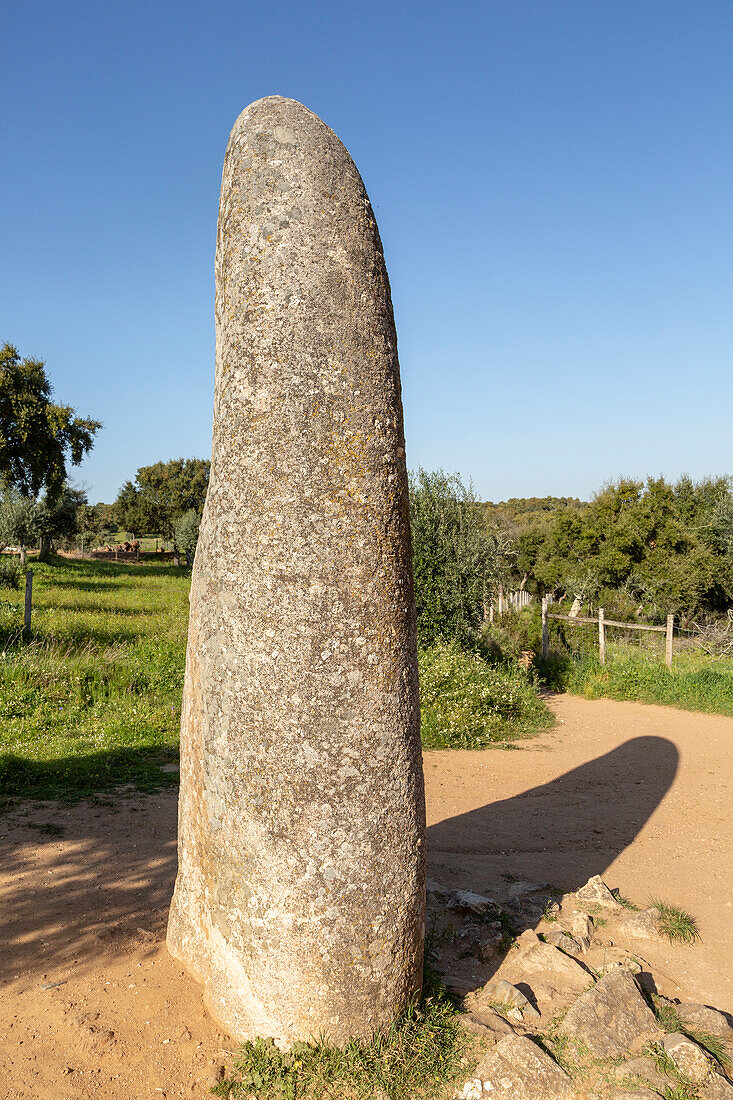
(646, 547)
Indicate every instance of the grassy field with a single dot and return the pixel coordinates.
(693, 683)
(91, 701)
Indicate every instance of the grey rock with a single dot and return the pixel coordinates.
(487, 1022)
(689, 1057)
(644, 924)
(611, 1018)
(643, 1069)
(614, 957)
(521, 889)
(491, 946)
(299, 902)
(563, 941)
(438, 891)
(716, 1088)
(582, 930)
(501, 992)
(596, 892)
(477, 904)
(544, 960)
(517, 1067)
(701, 1018)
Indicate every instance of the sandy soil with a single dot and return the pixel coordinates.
(92, 1006)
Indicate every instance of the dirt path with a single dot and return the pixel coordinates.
(91, 1005)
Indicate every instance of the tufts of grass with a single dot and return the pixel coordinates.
(669, 1020)
(667, 1017)
(466, 703)
(623, 900)
(715, 1045)
(676, 923)
(421, 1054)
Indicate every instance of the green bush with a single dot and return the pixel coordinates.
(466, 703)
(9, 573)
(454, 558)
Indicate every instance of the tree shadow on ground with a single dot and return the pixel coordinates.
(71, 778)
(78, 881)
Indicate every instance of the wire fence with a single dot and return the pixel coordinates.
(599, 638)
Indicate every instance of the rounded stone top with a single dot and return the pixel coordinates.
(284, 134)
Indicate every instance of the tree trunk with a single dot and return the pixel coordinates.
(575, 609)
(45, 551)
(23, 557)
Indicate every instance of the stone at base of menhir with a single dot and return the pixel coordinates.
(517, 1067)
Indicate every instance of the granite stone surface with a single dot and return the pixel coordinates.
(299, 902)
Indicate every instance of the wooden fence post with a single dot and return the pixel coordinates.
(669, 641)
(28, 602)
(601, 636)
(545, 630)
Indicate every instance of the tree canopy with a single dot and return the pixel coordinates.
(668, 547)
(37, 437)
(162, 493)
(454, 557)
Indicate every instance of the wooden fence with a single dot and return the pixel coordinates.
(506, 601)
(602, 622)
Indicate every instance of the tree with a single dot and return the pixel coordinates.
(25, 522)
(57, 518)
(37, 437)
(186, 533)
(16, 521)
(653, 545)
(160, 494)
(455, 558)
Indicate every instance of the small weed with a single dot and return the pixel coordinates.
(550, 912)
(623, 900)
(50, 829)
(675, 923)
(684, 1090)
(667, 1017)
(714, 1045)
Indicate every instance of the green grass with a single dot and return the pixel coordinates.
(675, 923)
(670, 1021)
(425, 1053)
(466, 703)
(419, 1056)
(92, 700)
(691, 684)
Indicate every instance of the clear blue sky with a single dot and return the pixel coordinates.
(552, 179)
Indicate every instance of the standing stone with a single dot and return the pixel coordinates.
(299, 902)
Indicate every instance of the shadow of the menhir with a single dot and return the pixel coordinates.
(562, 832)
(118, 871)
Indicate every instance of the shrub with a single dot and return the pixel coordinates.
(468, 703)
(454, 558)
(9, 574)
